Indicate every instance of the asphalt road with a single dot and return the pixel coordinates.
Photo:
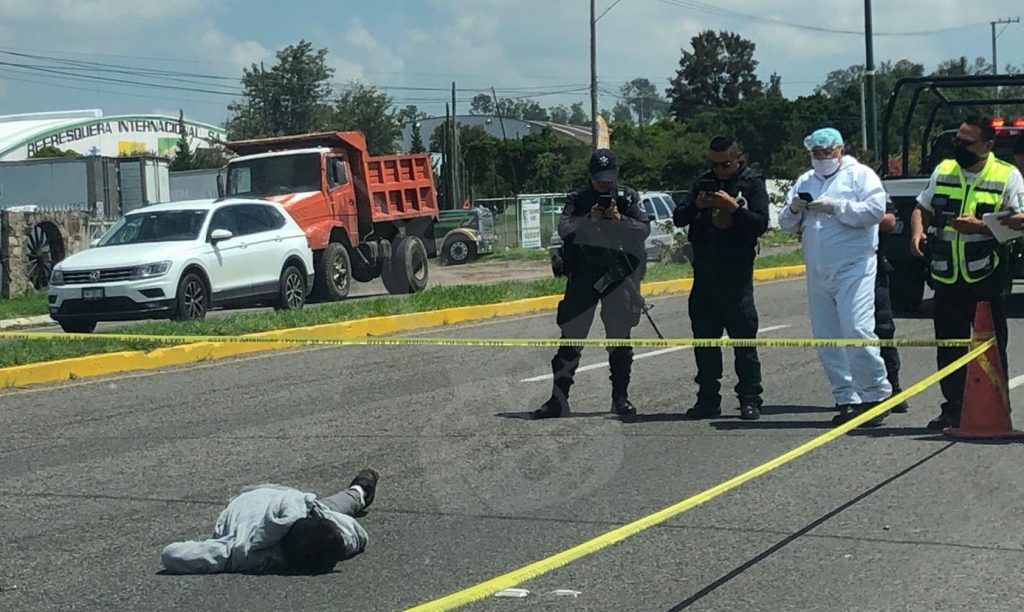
(96, 476)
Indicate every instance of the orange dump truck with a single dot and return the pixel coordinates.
(364, 216)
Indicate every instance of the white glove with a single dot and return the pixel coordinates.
(824, 205)
(797, 206)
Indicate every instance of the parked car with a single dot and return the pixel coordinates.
(463, 234)
(659, 207)
(178, 260)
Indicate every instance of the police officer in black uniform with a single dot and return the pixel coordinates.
(727, 212)
(885, 324)
(603, 229)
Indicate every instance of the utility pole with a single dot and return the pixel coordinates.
(870, 114)
(995, 62)
(504, 138)
(863, 119)
(456, 155)
(593, 74)
(446, 155)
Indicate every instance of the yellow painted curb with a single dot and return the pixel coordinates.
(133, 361)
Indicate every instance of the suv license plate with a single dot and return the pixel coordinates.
(93, 294)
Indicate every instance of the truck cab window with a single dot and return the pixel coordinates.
(273, 175)
(336, 174)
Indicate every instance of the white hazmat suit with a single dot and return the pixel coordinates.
(840, 240)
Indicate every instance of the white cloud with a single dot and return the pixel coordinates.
(376, 56)
(213, 43)
(345, 69)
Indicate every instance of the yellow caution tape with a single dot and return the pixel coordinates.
(538, 568)
(499, 342)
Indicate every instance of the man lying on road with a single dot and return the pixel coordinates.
(271, 528)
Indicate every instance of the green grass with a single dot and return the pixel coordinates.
(33, 304)
(777, 237)
(18, 352)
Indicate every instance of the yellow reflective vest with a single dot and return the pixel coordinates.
(967, 257)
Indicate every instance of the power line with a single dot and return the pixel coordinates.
(721, 12)
(446, 75)
(78, 68)
(87, 77)
(61, 85)
(598, 18)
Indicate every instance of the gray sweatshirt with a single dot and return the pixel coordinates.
(248, 532)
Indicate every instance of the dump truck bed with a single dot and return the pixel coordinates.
(401, 187)
(389, 187)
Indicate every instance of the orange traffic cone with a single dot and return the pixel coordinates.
(986, 409)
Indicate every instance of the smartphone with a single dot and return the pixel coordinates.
(806, 197)
(604, 200)
(707, 186)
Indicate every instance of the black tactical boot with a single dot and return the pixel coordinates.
(950, 417)
(622, 406)
(702, 410)
(551, 409)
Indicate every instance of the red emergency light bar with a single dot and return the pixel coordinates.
(999, 122)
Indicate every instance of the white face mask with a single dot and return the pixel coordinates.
(826, 167)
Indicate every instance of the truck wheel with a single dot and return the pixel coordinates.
(334, 273)
(291, 290)
(457, 251)
(406, 271)
(79, 326)
(906, 288)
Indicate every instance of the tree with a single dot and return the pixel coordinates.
(622, 114)
(559, 114)
(292, 97)
(527, 110)
(577, 115)
(411, 113)
(961, 67)
(533, 111)
(643, 100)
(482, 104)
(718, 73)
(416, 146)
(774, 89)
(367, 109)
(53, 151)
(184, 158)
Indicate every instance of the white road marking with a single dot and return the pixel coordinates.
(1016, 382)
(604, 364)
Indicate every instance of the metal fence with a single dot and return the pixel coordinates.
(94, 229)
(509, 221)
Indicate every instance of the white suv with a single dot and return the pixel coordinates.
(178, 260)
(659, 207)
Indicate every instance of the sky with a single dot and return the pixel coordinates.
(415, 49)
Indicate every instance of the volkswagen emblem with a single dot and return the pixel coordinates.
(94, 276)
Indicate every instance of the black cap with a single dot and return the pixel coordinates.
(603, 166)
